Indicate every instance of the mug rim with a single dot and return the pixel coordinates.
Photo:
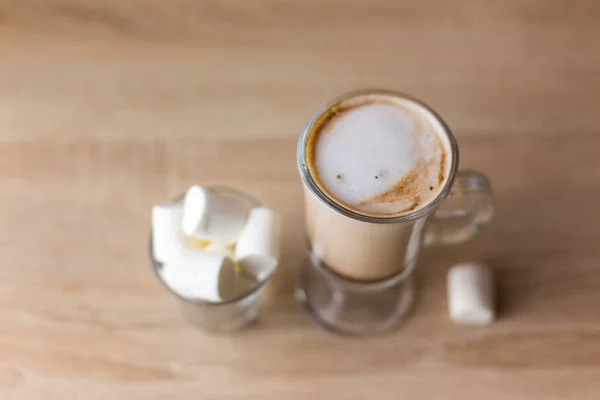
(310, 183)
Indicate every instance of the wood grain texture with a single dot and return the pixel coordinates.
(107, 107)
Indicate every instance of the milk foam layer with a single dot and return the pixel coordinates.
(380, 158)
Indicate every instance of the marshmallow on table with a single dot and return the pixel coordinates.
(167, 238)
(471, 294)
(212, 216)
(201, 275)
(257, 250)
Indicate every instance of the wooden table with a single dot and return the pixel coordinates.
(107, 107)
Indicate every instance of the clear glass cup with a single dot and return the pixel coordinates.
(381, 251)
(223, 316)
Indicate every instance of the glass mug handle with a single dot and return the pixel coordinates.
(468, 208)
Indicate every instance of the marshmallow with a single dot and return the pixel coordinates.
(220, 248)
(257, 250)
(471, 294)
(212, 216)
(195, 243)
(167, 240)
(201, 275)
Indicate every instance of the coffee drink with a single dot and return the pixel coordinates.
(380, 157)
(377, 167)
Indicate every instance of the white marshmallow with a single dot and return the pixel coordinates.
(471, 294)
(257, 250)
(201, 275)
(212, 216)
(194, 206)
(220, 248)
(167, 238)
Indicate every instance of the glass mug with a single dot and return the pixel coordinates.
(380, 253)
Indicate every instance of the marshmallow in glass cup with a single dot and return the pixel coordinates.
(257, 250)
(195, 274)
(213, 294)
(212, 216)
(167, 238)
(221, 248)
